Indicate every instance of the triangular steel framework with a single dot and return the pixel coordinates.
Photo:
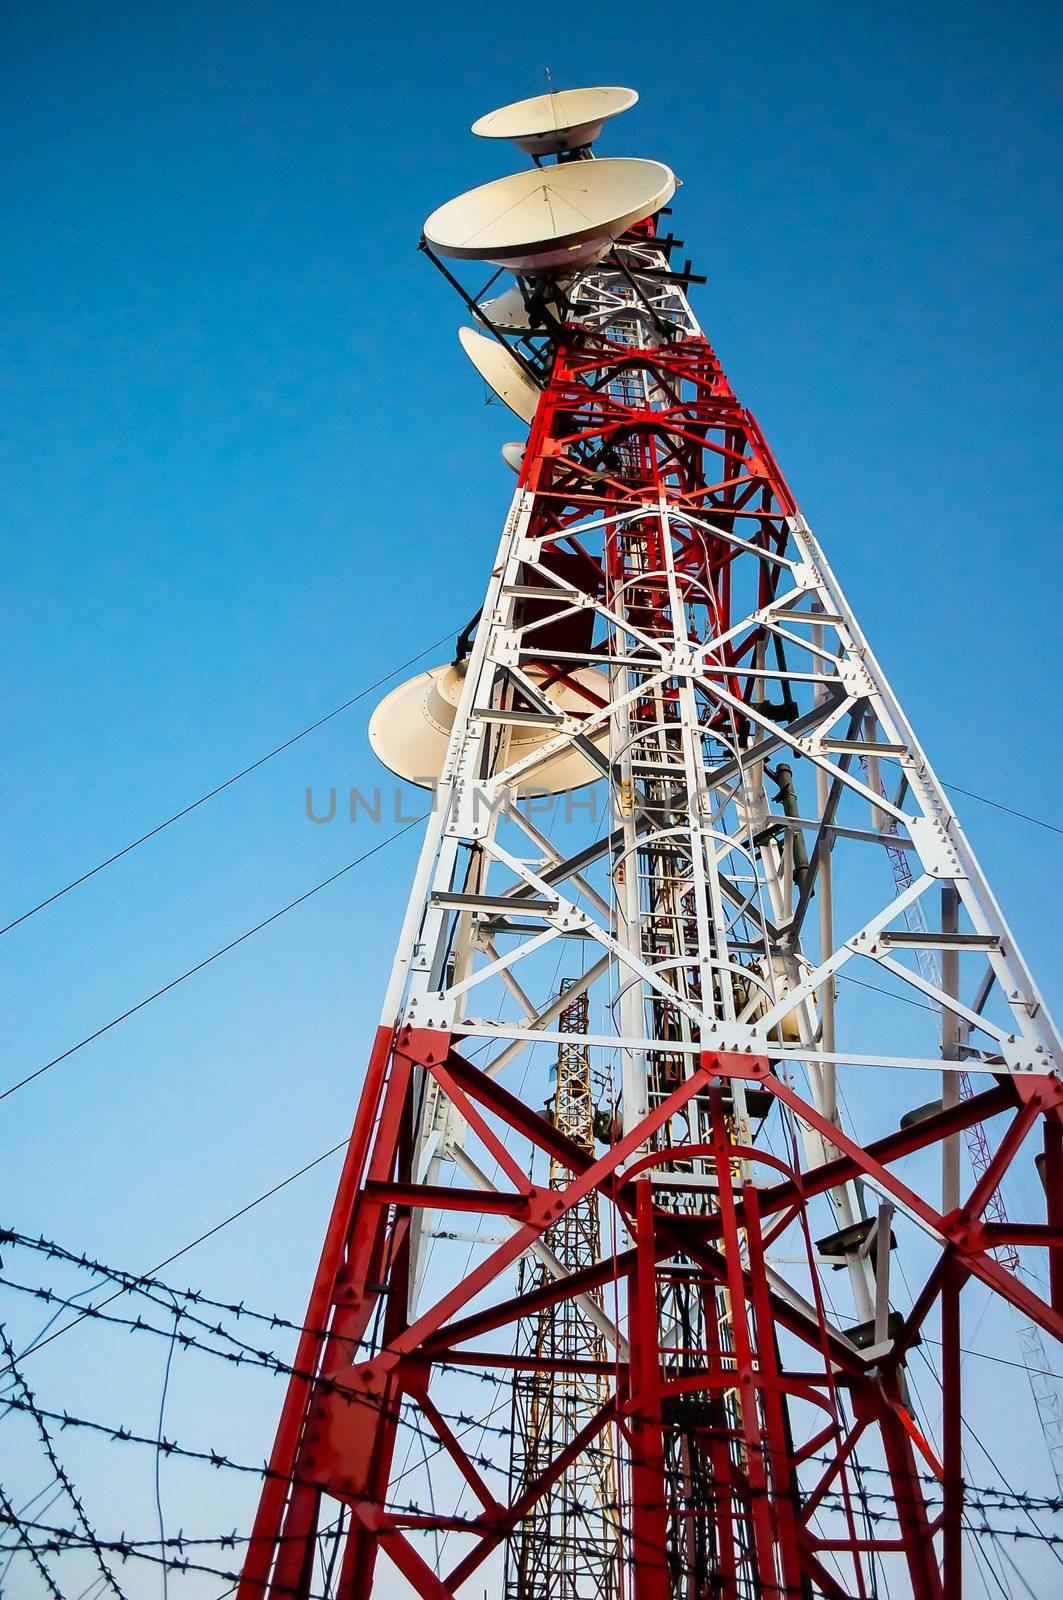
(721, 894)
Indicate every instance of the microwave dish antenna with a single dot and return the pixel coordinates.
(513, 455)
(549, 217)
(510, 311)
(546, 124)
(410, 730)
(502, 372)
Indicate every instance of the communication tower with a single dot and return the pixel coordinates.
(781, 1213)
(567, 1546)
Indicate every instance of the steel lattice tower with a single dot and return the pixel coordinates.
(659, 609)
(568, 1544)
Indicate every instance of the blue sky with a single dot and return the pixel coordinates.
(248, 470)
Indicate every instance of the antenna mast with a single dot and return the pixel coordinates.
(650, 774)
(569, 1542)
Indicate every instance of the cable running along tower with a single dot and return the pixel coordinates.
(667, 1347)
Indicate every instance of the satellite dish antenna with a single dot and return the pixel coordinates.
(410, 730)
(507, 310)
(548, 123)
(502, 372)
(513, 456)
(548, 217)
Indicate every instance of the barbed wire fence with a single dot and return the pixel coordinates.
(43, 1538)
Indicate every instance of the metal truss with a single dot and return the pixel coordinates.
(568, 1545)
(720, 898)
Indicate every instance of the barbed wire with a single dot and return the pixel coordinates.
(465, 1419)
(246, 1356)
(56, 1465)
(148, 1285)
(140, 1282)
(978, 1498)
(989, 1500)
(40, 1539)
(214, 1458)
(673, 1563)
(10, 1516)
(250, 1355)
(58, 1540)
(61, 1540)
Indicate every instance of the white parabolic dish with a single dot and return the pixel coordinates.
(551, 122)
(502, 372)
(508, 310)
(410, 730)
(558, 216)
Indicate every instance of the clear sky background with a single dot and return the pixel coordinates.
(248, 470)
